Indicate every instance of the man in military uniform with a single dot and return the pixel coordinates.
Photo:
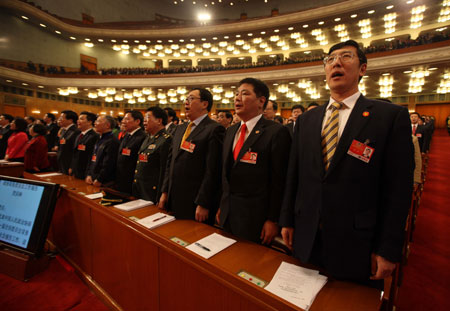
(151, 164)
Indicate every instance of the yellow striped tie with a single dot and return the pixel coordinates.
(187, 132)
(330, 135)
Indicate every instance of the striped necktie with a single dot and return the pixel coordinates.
(330, 135)
(187, 132)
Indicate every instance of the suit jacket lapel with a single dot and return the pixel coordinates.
(317, 137)
(178, 136)
(228, 143)
(198, 129)
(252, 138)
(355, 123)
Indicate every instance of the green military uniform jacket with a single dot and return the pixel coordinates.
(151, 166)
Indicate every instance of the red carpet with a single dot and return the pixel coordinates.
(426, 283)
(55, 289)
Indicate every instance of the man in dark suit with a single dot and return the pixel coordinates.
(192, 184)
(419, 130)
(128, 150)
(102, 167)
(5, 132)
(84, 145)
(68, 134)
(152, 161)
(255, 157)
(171, 115)
(296, 111)
(345, 209)
(270, 111)
(52, 130)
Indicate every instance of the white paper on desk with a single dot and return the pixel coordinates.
(215, 243)
(48, 174)
(4, 161)
(132, 205)
(94, 196)
(297, 285)
(12, 163)
(156, 220)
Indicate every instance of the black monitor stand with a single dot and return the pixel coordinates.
(20, 265)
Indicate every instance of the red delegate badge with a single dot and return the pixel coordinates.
(62, 141)
(81, 147)
(360, 151)
(143, 157)
(188, 146)
(126, 151)
(94, 158)
(249, 157)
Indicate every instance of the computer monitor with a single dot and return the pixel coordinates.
(26, 210)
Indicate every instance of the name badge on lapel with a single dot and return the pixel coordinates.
(94, 158)
(62, 141)
(81, 147)
(188, 146)
(1, 136)
(126, 151)
(418, 135)
(151, 147)
(360, 151)
(143, 157)
(249, 157)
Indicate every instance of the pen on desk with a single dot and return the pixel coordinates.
(159, 218)
(204, 247)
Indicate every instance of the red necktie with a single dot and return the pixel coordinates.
(414, 130)
(240, 141)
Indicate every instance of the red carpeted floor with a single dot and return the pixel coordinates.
(426, 283)
(55, 289)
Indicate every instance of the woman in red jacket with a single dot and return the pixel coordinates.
(36, 157)
(15, 151)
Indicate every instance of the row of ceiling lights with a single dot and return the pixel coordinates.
(385, 82)
(417, 17)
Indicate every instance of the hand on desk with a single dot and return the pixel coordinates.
(268, 232)
(97, 183)
(218, 216)
(162, 200)
(70, 171)
(381, 267)
(89, 180)
(201, 213)
(287, 233)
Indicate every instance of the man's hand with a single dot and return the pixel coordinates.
(268, 232)
(287, 233)
(97, 183)
(70, 171)
(162, 200)
(218, 216)
(381, 267)
(89, 180)
(201, 213)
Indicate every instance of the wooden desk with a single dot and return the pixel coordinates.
(141, 269)
(12, 169)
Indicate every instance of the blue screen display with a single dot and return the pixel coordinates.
(19, 203)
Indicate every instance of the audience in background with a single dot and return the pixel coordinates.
(15, 152)
(36, 150)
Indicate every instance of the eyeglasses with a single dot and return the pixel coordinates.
(191, 98)
(345, 57)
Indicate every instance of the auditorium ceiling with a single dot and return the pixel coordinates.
(423, 73)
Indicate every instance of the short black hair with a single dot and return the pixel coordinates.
(89, 116)
(227, 113)
(313, 104)
(298, 107)
(31, 118)
(70, 115)
(21, 124)
(51, 116)
(39, 129)
(278, 119)
(361, 56)
(259, 87)
(274, 105)
(415, 112)
(170, 112)
(159, 113)
(8, 117)
(205, 95)
(136, 115)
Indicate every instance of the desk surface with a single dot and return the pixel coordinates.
(222, 268)
(13, 169)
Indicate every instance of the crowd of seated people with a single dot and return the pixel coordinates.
(395, 44)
